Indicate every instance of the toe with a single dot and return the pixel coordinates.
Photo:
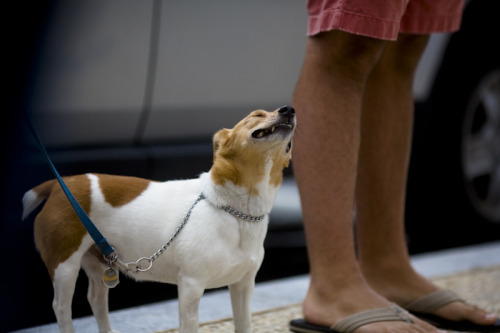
(480, 316)
(462, 311)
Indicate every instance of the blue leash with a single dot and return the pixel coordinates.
(96, 235)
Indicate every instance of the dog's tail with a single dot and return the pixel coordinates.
(34, 197)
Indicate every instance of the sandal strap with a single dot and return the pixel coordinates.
(391, 313)
(433, 301)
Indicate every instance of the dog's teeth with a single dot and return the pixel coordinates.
(273, 128)
(260, 135)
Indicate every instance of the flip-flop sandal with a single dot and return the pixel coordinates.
(424, 306)
(349, 324)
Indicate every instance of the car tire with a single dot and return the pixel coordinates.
(480, 147)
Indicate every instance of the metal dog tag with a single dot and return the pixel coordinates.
(110, 278)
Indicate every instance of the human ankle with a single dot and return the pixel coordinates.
(398, 284)
(375, 266)
(332, 282)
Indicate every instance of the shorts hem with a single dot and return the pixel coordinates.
(353, 23)
(385, 29)
(443, 24)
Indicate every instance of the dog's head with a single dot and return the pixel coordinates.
(259, 146)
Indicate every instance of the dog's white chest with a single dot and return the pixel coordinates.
(213, 244)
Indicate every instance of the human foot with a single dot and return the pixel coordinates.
(407, 287)
(352, 323)
(323, 310)
(441, 304)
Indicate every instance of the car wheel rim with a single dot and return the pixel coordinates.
(481, 147)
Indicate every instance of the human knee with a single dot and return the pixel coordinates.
(402, 57)
(352, 54)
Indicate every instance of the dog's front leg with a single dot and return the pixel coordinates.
(241, 293)
(190, 292)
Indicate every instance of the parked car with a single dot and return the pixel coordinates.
(139, 87)
(454, 183)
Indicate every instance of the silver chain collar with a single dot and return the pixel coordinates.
(136, 267)
(237, 213)
(240, 215)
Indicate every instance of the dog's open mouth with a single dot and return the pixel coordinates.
(260, 133)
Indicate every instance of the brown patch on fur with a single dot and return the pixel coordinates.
(243, 167)
(120, 190)
(95, 252)
(242, 160)
(58, 230)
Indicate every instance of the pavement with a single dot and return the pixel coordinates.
(473, 272)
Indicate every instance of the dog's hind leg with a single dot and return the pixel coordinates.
(241, 293)
(64, 281)
(190, 292)
(97, 294)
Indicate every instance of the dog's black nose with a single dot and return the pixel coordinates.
(286, 110)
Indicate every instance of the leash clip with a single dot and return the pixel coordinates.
(112, 258)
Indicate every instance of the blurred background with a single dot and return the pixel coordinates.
(139, 87)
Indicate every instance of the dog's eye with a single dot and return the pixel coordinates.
(259, 115)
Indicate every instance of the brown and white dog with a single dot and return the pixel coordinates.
(215, 248)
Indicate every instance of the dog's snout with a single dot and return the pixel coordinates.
(286, 110)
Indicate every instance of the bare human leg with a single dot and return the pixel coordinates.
(328, 100)
(382, 170)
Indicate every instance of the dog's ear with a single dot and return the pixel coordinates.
(219, 137)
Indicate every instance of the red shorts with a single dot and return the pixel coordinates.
(384, 19)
